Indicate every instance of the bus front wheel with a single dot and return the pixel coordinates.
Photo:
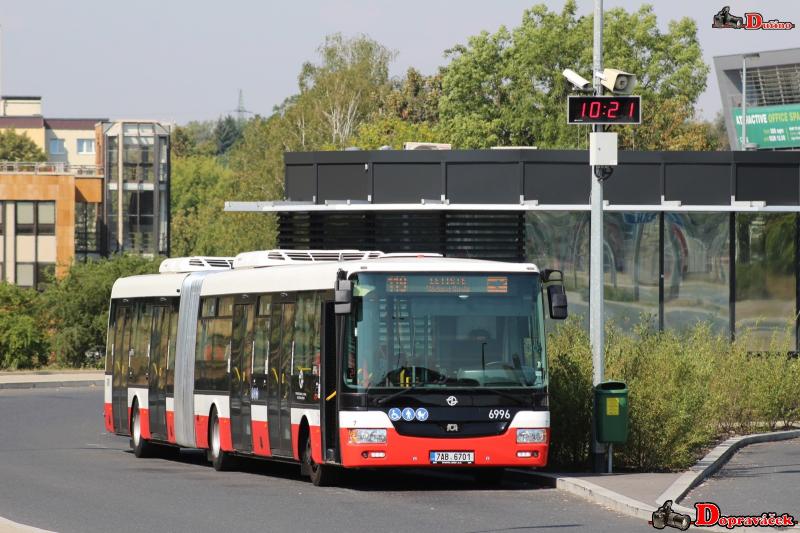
(321, 475)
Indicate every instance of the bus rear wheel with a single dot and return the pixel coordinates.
(321, 475)
(218, 458)
(141, 447)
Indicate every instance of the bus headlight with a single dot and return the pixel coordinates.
(527, 436)
(367, 436)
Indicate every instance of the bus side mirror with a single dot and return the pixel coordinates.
(343, 297)
(557, 300)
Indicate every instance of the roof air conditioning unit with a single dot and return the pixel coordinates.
(426, 146)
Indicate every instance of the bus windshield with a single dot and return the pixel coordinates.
(440, 330)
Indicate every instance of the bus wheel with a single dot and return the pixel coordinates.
(220, 459)
(321, 475)
(489, 475)
(141, 448)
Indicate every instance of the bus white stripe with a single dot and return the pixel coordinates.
(107, 390)
(258, 413)
(531, 419)
(203, 402)
(311, 414)
(142, 394)
(364, 419)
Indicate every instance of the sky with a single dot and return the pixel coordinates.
(182, 60)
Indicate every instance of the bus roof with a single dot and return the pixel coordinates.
(301, 277)
(321, 276)
(148, 285)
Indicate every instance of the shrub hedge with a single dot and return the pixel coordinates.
(686, 390)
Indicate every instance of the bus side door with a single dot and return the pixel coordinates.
(242, 346)
(123, 325)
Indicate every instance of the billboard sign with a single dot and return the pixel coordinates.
(770, 126)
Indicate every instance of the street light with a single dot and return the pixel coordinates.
(743, 144)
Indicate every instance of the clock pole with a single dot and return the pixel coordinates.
(596, 333)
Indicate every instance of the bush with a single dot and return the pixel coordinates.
(22, 342)
(76, 307)
(686, 390)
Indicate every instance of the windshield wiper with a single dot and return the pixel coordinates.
(398, 393)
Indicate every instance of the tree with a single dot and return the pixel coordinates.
(195, 138)
(506, 88)
(340, 92)
(393, 131)
(75, 308)
(23, 343)
(415, 97)
(226, 133)
(16, 147)
(194, 189)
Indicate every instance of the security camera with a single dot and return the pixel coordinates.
(578, 81)
(618, 82)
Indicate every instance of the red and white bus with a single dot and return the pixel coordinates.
(334, 359)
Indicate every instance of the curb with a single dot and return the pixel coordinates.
(50, 384)
(8, 526)
(704, 468)
(597, 494)
(716, 459)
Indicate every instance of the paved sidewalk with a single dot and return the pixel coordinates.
(637, 494)
(51, 379)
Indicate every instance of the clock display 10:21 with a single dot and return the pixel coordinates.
(604, 110)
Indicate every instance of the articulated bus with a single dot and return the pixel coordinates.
(342, 359)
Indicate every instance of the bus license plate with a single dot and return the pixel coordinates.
(452, 458)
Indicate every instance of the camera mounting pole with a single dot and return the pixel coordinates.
(596, 333)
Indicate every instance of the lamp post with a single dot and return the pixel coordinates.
(743, 143)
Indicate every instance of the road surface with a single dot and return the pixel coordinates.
(60, 471)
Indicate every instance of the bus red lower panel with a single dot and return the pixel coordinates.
(261, 438)
(201, 432)
(144, 422)
(108, 413)
(171, 426)
(399, 450)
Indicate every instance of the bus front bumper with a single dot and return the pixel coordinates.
(405, 451)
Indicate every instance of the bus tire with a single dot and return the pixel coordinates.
(321, 475)
(489, 475)
(218, 458)
(141, 447)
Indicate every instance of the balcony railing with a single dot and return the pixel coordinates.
(25, 167)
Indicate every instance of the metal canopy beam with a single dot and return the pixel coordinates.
(303, 207)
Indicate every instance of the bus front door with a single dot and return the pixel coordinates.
(242, 344)
(157, 373)
(123, 324)
(279, 379)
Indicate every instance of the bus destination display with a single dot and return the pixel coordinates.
(447, 284)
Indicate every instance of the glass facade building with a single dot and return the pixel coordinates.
(137, 170)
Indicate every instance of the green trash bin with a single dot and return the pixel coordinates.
(611, 412)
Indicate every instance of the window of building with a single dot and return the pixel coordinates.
(46, 218)
(57, 147)
(86, 225)
(25, 214)
(25, 274)
(85, 146)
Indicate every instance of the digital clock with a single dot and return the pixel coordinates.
(604, 110)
